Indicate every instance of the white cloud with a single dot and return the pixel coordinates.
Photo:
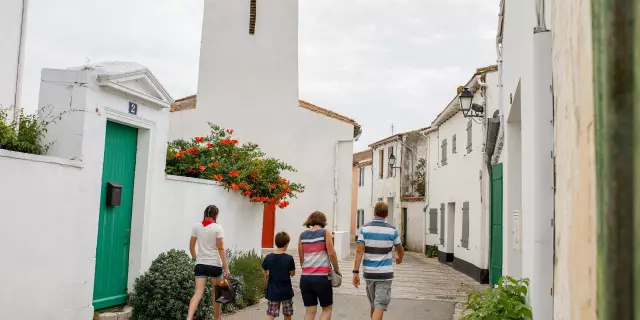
(377, 61)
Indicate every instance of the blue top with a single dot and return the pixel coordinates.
(379, 238)
(279, 285)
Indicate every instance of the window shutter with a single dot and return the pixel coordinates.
(465, 225)
(433, 221)
(444, 152)
(442, 224)
(390, 173)
(469, 135)
(381, 163)
(453, 144)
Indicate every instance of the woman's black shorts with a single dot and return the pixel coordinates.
(316, 289)
(206, 271)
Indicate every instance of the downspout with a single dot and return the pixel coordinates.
(335, 182)
(17, 100)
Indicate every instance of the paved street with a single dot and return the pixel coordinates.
(423, 289)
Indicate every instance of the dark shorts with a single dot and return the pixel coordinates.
(206, 271)
(316, 289)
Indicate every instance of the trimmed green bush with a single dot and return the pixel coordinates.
(165, 290)
(432, 251)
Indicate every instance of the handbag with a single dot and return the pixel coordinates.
(336, 279)
(224, 293)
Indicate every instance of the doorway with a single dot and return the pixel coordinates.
(268, 225)
(495, 263)
(404, 227)
(114, 222)
(391, 207)
(451, 227)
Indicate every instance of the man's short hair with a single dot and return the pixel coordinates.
(381, 210)
(282, 239)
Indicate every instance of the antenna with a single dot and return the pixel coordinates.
(391, 128)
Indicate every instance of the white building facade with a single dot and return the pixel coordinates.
(363, 163)
(248, 81)
(394, 182)
(458, 202)
(525, 147)
(13, 14)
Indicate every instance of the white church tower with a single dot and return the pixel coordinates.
(248, 81)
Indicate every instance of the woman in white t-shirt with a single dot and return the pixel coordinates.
(210, 258)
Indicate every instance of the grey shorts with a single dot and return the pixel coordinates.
(379, 293)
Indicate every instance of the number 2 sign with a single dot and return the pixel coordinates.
(133, 108)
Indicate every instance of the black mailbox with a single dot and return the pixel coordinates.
(114, 194)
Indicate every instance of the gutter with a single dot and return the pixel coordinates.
(17, 100)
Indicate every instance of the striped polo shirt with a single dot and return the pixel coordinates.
(379, 238)
(316, 258)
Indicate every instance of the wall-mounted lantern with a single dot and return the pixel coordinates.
(392, 163)
(468, 108)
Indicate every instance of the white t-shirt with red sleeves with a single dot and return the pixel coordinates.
(207, 245)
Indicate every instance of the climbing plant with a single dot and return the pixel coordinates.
(418, 181)
(237, 167)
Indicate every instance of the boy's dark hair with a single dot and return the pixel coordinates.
(381, 210)
(211, 212)
(282, 239)
(316, 219)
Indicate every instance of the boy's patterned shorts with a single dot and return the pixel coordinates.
(273, 308)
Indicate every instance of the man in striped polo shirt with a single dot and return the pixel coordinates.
(376, 240)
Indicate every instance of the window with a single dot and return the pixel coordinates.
(465, 225)
(453, 144)
(381, 161)
(443, 161)
(469, 135)
(433, 221)
(361, 176)
(442, 224)
(390, 171)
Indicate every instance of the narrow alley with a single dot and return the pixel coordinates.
(423, 288)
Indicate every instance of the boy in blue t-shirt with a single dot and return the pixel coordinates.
(278, 268)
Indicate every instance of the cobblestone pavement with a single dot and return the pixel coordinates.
(423, 288)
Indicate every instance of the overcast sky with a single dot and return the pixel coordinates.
(376, 61)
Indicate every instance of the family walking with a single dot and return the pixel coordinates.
(376, 241)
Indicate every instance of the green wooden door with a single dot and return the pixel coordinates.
(114, 226)
(495, 270)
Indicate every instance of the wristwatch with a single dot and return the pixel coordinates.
(356, 271)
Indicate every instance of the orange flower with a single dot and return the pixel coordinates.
(234, 186)
(179, 155)
(229, 131)
(190, 169)
(203, 168)
(234, 173)
(235, 156)
(219, 177)
(253, 175)
(210, 145)
(214, 164)
(273, 186)
(198, 139)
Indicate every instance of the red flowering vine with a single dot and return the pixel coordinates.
(236, 167)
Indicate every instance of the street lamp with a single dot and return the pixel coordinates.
(468, 108)
(392, 162)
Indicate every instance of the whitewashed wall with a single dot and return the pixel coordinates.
(456, 182)
(365, 200)
(10, 31)
(387, 187)
(415, 225)
(250, 83)
(56, 201)
(527, 67)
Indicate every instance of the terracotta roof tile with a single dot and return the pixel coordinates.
(190, 102)
(362, 155)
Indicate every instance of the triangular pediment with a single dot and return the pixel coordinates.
(131, 80)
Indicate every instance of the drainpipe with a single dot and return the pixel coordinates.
(335, 183)
(17, 100)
